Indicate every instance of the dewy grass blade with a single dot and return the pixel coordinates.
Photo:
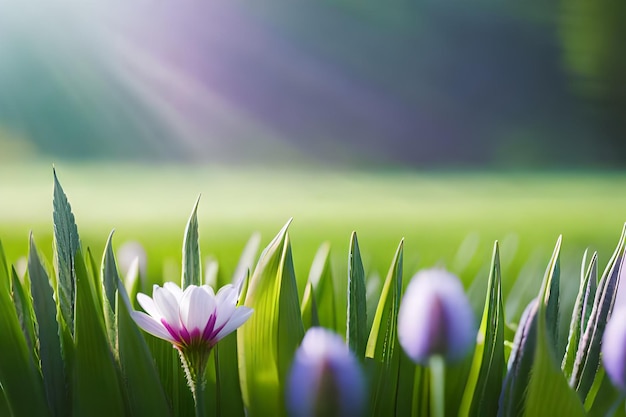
(356, 333)
(484, 383)
(383, 349)
(18, 373)
(102, 396)
(66, 243)
(588, 355)
(581, 312)
(52, 366)
(191, 273)
(267, 342)
(320, 276)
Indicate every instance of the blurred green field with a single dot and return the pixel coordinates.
(449, 219)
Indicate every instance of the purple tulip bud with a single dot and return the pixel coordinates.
(435, 317)
(614, 348)
(325, 378)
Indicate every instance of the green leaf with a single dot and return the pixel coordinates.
(548, 393)
(309, 308)
(356, 333)
(581, 312)
(192, 273)
(588, 355)
(247, 259)
(67, 244)
(18, 374)
(142, 384)
(267, 342)
(110, 279)
(52, 366)
(229, 402)
(101, 396)
(382, 345)
(321, 277)
(24, 307)
(484, 383)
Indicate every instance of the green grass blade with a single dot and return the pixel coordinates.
(588, 355)
(110, 279)
(581, 312)
(101, 396)
(24, 307)
(356, 333)
(247, 259)
(309, 308)
(548, 393)
(192, 272)
(67, 244)
(321, 277)
(52, 366)
(382, 346)
(484, 383)
(20, 379)
(229, 402)
(267, 342)
(142, 384)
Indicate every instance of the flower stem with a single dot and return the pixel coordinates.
(437, 367)
(198, 395)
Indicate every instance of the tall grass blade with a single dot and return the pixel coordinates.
(382, 345)
(66, 244)
(588, 355)
(192, 272)
(267, 342)
(52, 366)
(100, 396)
(482, 390)
(356, 333)
(309, 308)
(21, 380)
(581, 312)
(321, 277)
(110, 279)
(24, 307)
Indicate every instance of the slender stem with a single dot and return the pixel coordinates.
(437, 367)
(218, 392)
(198, 395)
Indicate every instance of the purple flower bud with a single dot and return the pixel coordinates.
(325, 378)
(435, 317)
(614, 348)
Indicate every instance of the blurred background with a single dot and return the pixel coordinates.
(416, 84)
(447, 123)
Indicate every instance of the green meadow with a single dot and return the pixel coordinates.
(445, 218)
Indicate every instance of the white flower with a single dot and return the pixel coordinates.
(195, 318)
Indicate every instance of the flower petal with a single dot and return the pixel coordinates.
(196, 307)
(174, 289)
(151, 326)
(148, 305)
(168, 306)
(238, 318)
(226, 300)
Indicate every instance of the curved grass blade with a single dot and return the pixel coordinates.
(267, 342)
(100, 396)
(484, 383)
(192, 272)
(24, 307)
(382, 345)
(356, 334)
(581, 312)
(247, 259)
(67, 244)
(52, 366)
(588, 355)
(18, 374)
(321, 277)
